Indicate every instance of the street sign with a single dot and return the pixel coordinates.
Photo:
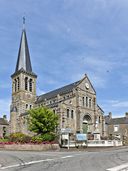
(66, 130)
(81, 137)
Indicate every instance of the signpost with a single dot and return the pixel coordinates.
(66, 131)
(81, 139)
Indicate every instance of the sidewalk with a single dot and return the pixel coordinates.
(92, 149)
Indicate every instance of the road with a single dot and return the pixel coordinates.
(98, 160)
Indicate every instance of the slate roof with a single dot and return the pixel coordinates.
(117, 121)
(3, 122)
(60, 91)
(23, 55)
(100, 108)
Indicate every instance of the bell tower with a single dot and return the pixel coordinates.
(23, 84)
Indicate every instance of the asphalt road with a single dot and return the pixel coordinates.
(98, 160)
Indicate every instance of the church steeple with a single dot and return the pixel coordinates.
(23, 61)
(23, 84)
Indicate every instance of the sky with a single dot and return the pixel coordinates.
(68, 38)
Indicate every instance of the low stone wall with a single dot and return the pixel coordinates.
(30, 147)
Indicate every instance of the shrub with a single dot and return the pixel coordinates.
(19, 137)
(44, 137)
(37, 139)
(48, 137)
(4, 140)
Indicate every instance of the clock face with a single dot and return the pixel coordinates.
(87, 85)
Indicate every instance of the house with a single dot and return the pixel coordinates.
(4, 127)
(117, 128)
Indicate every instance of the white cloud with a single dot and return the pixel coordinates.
(98, 81)
(117, 107)
(122, 104)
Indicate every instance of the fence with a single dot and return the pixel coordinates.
(104, 143)
(95, 143)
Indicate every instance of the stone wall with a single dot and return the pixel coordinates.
(29, 147)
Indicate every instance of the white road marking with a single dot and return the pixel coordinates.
(31, 162)
(119, 168)
(25, 163)
(66, 157)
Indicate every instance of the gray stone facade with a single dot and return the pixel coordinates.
(117, 127)
(4, 127)
(76, 103)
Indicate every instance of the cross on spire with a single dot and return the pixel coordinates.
(23, 22)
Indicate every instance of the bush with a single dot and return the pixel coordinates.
(45, 137)
(4, 140)
(48, 137)
(37, 139)
(19, 137)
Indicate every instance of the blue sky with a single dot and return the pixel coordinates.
(68, 38)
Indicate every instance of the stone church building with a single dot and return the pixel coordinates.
(76, 103)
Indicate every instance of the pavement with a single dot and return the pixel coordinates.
(92, 149)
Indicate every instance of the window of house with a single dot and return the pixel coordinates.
(72, 112)
(67, 113)
(116, 128)
(54, 110)
(4, 131)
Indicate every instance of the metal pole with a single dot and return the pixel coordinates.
(68, 141)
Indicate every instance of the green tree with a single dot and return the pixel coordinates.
(42, 120)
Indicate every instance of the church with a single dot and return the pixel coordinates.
(76, 103)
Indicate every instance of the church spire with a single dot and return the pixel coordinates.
(23, 61)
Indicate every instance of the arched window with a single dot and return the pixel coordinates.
(99, 119)
(15, 85)
(18, 83)
(83, 101)
(30, 85)
(90, 103)
(86, 101)
(67, 113)
(26, 83)
(26, 106)
(72, 113)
